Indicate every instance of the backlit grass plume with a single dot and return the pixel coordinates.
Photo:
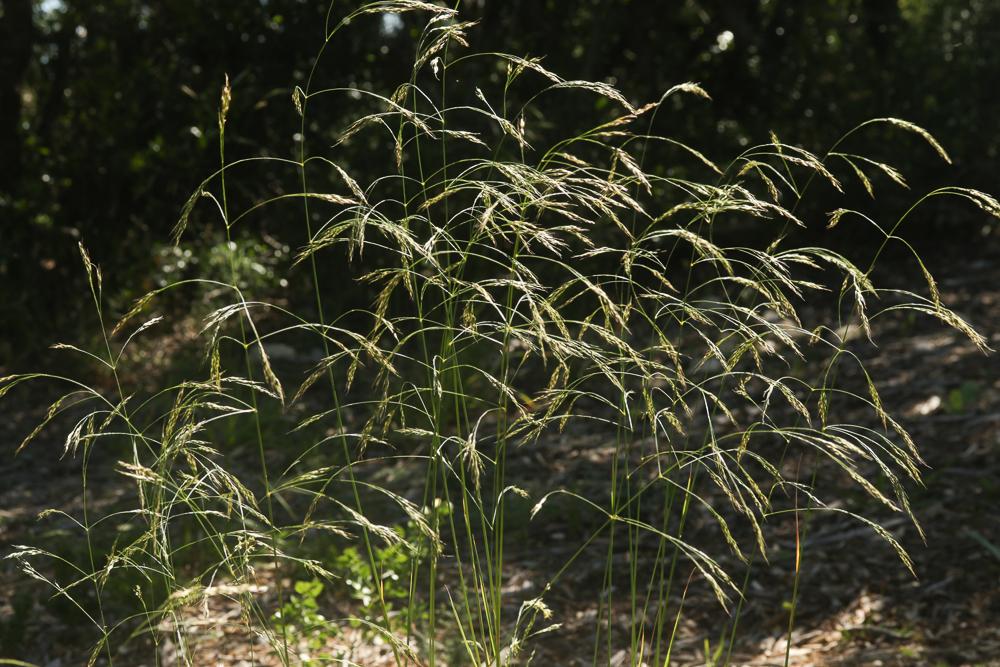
(524, 283)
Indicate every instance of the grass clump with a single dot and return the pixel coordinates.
(521, 284)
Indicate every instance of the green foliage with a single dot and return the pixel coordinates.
(962, 398)
(256, 263)
(392, 563)
(301, 617)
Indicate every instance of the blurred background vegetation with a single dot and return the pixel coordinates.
(108, 111)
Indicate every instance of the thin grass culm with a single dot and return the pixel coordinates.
(507, 299)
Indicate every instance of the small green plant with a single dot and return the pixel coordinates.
(361, 582)
(963, 398)
(302, 618)
(256, 263)
(524, 282)
(389, 581)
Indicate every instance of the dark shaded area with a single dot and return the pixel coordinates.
(108, 108)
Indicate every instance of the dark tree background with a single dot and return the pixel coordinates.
(108, 107)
